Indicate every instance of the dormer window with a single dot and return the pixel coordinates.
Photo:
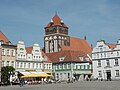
(87, 59)
(61, 58)
(81, 58)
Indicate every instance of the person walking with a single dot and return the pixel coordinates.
(22, 82)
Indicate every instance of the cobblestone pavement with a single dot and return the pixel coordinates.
(81, 85)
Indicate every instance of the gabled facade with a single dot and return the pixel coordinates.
(29, 59)
(106, 60)
(7, 52)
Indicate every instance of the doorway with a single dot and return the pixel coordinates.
(108, 72)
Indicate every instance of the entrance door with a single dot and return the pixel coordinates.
(108, 75)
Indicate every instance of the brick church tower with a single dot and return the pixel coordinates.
(56, 35)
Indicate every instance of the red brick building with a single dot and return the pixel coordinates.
(67, 53)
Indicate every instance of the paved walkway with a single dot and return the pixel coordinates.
(81, 85)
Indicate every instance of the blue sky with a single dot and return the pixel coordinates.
(25, 19)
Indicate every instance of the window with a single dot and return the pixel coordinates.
(21, 49)
(99, 73)
(116, 62)
(28, 65)
(8, 63)
(8, 52)
(104, 54)
(97, 55)
(101, 49)
(21, 64)
(99, 63)
(60, 66)
(36, 50)
(40, 65)
(18, 64)
(33, 65)
(81, 58)
(24, 65)
(78, 66)
(74, 66)
(68, 66)
(101, 55)
(117, 73)
(86, 67)
(12, 63)
(56, 66)
(13, 53)
(36, 65)
(3, 51)
(90, 66)
(61, 58)
(65, 66)
(82, 66)
(3, 63)
(117, 53)
(47, 66)
(107, 62)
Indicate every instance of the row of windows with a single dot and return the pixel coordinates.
(83, 67)
(105, 55)
(117, 73)
(47, 66)
(33, 65)
(8, 63)
(116, 62)
(61, 75)
(20, 56)
(8, 52)
(63, 66)
(68, 66)
(29, 65)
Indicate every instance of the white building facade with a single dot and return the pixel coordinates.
(106, 61)
(28, 59)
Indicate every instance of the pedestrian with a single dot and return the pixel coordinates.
(22, 82)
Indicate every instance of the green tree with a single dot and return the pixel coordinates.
(5, 73)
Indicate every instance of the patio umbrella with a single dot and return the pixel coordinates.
(32, 75)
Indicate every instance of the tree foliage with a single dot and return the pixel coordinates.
(5, 72)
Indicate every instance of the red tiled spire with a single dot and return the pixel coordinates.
(56, 21)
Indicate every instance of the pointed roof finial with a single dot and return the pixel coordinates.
(51, 21)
